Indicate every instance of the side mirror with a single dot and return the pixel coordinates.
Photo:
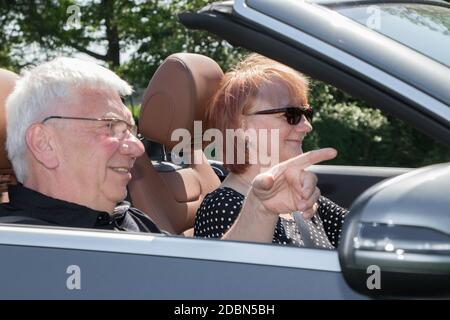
(396, 239)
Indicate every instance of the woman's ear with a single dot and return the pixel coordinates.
(41, 142)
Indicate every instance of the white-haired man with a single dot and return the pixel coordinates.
(72, 143)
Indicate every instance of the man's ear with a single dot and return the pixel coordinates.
(243, 123)
(41, 142)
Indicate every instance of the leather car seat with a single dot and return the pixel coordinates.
(7, 83)
(175, 97)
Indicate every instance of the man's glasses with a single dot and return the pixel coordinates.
(293, 114)
(118, 128)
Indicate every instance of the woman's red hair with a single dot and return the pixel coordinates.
(238, 90)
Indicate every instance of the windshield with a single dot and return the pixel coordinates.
(424, 28)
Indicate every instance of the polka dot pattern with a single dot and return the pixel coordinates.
(333, 217)
(221, 207)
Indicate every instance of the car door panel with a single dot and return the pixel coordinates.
(41, 264)
(106, 275)
(343, 184)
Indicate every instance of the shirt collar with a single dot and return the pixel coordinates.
(59, 212)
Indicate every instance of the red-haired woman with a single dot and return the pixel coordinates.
(263, 96)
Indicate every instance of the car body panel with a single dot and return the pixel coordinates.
(414, 192)
(117, 265)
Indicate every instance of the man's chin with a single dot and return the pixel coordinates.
(119, 196)
(124, 195)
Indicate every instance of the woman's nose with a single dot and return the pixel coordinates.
(304, 125)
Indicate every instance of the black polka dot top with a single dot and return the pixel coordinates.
(221, 207)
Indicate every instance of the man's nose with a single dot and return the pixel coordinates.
(132, 146)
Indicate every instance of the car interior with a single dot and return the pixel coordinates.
(7, 82)
(171, 193)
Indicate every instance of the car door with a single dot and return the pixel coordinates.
(329, 47)
(342, 184)
(58, 263)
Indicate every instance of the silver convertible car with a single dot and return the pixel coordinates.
(394, 55)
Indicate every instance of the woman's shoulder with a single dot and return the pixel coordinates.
(217, 212)
(223, 200)
(223, 193)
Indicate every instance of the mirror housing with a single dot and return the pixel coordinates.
(396, 238)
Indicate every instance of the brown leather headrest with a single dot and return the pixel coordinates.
(177, 96)
(7, 83)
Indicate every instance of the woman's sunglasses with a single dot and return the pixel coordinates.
(293, 114)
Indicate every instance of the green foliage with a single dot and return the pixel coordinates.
(163, 35)
(145, 32)
(135, 109)
(365, 136)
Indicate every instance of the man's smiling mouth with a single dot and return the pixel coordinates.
(121, 169)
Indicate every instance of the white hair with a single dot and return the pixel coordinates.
(38, 89)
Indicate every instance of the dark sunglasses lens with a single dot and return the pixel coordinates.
(294, 115)
(293, 118)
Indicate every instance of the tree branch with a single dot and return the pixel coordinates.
(88, 52)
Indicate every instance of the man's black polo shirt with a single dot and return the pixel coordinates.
(27, 206)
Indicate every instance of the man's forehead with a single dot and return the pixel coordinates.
(104, 103)
(125, 115)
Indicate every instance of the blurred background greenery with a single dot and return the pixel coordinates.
(133, 37)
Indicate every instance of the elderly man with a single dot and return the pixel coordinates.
(72, 143)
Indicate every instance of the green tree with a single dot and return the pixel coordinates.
(5, 36)
(146, 31)
(366, 136)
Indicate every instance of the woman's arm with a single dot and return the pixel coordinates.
(286, 187)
